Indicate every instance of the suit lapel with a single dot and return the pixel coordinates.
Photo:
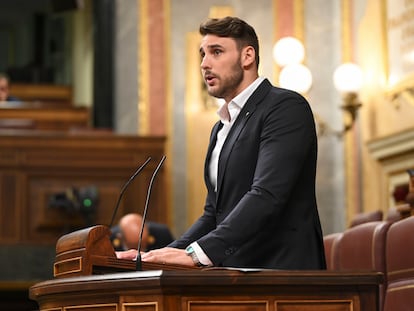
(211, 145)
(247, 111)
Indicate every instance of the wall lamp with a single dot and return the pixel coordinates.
(348, 82)
(289, 53)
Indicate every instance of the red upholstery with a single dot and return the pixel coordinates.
(329, 240)
(366, 217)
(363, 248)
(400, 266)
(393, 215)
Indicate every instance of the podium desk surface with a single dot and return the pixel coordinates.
(199, 289)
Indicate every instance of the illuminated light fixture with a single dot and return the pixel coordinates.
(348, 81)
(296, 77)
(348, 78)
(287, 51)
(289, 54)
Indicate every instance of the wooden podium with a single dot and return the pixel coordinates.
(86, 280)
(89, 251)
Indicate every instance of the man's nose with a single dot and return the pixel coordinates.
(205, 63)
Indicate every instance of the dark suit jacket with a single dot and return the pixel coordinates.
(159, 236)
(264, 214)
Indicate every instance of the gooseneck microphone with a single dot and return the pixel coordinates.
(144, 215)
(125, 187)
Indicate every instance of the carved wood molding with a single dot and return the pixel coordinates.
(392, 146)
(395, 155)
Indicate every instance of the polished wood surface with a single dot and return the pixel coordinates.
(84, 280)
(58, 94)
(213, 289)
(35, 165)
(89, 251)
(43, 116)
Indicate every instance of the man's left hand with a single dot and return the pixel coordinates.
(168, 255)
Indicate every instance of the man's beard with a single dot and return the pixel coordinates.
(229, 84)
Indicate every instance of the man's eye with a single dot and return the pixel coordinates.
(217, 52)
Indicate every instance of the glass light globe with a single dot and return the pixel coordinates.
(288, 50)
(296, 77)
(348, 78)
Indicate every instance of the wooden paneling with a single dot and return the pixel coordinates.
(58, 94)
(36, 165)
(214, 289)
(43, 116)
(9, 205)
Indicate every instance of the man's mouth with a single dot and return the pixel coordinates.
(209, 78)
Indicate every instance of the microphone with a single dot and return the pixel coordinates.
(125, 187)
(144, 215)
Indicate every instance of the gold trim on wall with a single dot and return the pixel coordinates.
(299, 20)
(297, 31)
(352, 148)
(385, 38)
(169, 113)
(346, 31)
(220, 11)
(143, 68)
(402, 90)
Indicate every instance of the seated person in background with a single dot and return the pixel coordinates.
(5, 89)
(126, 234)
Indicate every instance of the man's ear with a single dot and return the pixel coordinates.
(248, 56)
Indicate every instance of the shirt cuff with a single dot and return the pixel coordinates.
(202, 257)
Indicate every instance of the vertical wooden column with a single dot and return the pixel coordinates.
(353, 165)
(153, 67)
(154, 89)
(288, 21)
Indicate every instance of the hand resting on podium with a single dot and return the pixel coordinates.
(166, 255)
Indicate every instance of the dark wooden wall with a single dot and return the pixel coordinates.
(37, 165)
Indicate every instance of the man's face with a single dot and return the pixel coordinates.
(221, 66)
(4, 89)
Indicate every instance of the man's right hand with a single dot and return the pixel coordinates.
(129, 254)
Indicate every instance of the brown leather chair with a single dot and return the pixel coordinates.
(363, 248)
(329, 240)
(393, 214)
(366, 217)
(399, 294)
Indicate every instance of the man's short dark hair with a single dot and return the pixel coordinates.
(232, 27)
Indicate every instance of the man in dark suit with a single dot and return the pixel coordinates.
(260, 210)
(126, 234)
